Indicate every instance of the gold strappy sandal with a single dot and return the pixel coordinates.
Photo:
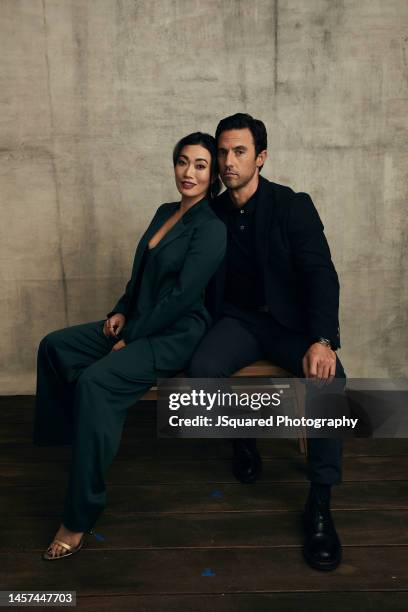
(71, 549)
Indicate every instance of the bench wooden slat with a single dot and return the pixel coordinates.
(264, 369)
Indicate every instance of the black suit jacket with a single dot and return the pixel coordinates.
(300, 282)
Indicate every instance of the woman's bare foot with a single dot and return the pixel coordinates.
(72, 538)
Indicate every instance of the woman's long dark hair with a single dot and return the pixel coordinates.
(208, 142)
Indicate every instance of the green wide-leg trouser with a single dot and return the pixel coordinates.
(84, 390)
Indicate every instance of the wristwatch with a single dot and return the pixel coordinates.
(324, 341)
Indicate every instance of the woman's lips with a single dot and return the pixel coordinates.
(187, 185)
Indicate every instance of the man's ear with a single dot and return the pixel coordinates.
(261, 158)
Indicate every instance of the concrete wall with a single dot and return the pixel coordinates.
(93, 96)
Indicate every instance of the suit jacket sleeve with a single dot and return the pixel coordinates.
(205, 252)
(313, 261)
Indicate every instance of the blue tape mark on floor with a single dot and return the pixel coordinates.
(217, 493)
(99, 537)
(207, 571)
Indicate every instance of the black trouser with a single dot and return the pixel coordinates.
(84, 390)
(241, 337)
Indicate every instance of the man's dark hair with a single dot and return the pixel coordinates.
(240, 121)
(208, 142)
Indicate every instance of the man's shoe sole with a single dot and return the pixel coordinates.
(248, 480)
(323, 567)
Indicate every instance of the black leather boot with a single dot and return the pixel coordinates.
(322, 547)
(247, 463)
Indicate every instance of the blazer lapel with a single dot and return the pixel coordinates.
(143, 244)
(181, 227)
(177, 230)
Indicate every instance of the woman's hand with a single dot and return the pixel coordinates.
(119, 345)
(114, 325)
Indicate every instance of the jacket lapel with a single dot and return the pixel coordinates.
(143, 244)
(179, 228)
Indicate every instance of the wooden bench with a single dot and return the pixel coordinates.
(264, 369)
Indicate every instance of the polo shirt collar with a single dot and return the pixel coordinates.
(248, 207)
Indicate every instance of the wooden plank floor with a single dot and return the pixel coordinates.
(180, 534)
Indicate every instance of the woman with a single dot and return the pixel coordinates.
(89, 375)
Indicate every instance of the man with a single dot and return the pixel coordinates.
(275, 297)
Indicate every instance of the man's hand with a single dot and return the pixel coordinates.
(114, 325)
(119, 345)
(319, 363)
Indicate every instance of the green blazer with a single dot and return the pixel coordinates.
(165, 301)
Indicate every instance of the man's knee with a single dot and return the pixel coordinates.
(198, 367)
(202, 366)
(340, 373)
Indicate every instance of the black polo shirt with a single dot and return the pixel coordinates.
(244, 281)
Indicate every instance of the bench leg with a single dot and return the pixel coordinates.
(300, 401)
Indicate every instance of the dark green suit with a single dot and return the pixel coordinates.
(84, 389)
(170, 307)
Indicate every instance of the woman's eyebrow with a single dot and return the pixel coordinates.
(196, 159)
